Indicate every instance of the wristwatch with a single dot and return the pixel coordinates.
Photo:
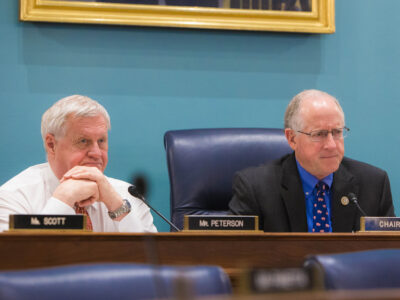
(124, 208)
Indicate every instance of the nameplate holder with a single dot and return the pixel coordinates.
(261, 281)
(380, 224)
(47, 222)
(220, 223)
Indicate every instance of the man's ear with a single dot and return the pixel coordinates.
(290, 136)
(50, 144)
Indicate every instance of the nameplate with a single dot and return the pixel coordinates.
(380, 224)
(46, 222)
(220, 223)
(260, 281)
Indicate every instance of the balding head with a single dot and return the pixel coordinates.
(294, 111)
(313, 114)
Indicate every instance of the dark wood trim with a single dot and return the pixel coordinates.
(232, 251)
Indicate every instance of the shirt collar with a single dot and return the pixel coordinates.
(51, 179)
(309, 181)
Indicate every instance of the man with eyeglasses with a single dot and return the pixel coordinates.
(307, 191)
(75, 138)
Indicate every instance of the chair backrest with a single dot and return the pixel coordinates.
(113, 281)
(202, 163)
(372, 269)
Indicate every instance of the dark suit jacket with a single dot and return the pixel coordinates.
(274, 192)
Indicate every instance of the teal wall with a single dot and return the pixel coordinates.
(152, 80)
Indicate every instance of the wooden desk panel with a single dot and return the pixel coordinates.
(19, 250)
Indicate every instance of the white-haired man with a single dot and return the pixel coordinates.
(304, 191)
(75, 136)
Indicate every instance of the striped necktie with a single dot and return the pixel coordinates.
(83, 211)
(320, 211)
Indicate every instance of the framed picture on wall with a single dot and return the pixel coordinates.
(311, 16)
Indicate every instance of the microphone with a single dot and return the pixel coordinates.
(134, 192)
(353, 198)
(140, 182)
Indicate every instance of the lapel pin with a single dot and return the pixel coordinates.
(344, 200)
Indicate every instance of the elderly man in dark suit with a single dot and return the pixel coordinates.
(307, 191)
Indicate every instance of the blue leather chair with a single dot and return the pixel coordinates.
(113, 281)
(202, 163)
(372, 269)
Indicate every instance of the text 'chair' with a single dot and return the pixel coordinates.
(112, 281)
(202, 163)
(372, 269)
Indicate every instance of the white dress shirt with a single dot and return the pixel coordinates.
(30, 192)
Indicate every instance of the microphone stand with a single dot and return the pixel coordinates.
(133, 191)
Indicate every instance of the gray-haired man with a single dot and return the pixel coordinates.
(75, 136)
(303, 191)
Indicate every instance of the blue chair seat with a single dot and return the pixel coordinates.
(112, 281)
(372, 269)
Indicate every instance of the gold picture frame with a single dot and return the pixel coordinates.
(321, 18)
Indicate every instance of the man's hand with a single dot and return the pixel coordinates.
(107, 194)
(81, 192)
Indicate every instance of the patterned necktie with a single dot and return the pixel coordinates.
(83, 211)
(320, 212)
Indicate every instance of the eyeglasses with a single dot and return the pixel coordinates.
(321, 135)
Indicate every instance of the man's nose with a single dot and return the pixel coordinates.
(95, 151)
(330, 142)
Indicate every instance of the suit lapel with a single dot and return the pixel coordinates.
(293, 195)
(343, 217)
